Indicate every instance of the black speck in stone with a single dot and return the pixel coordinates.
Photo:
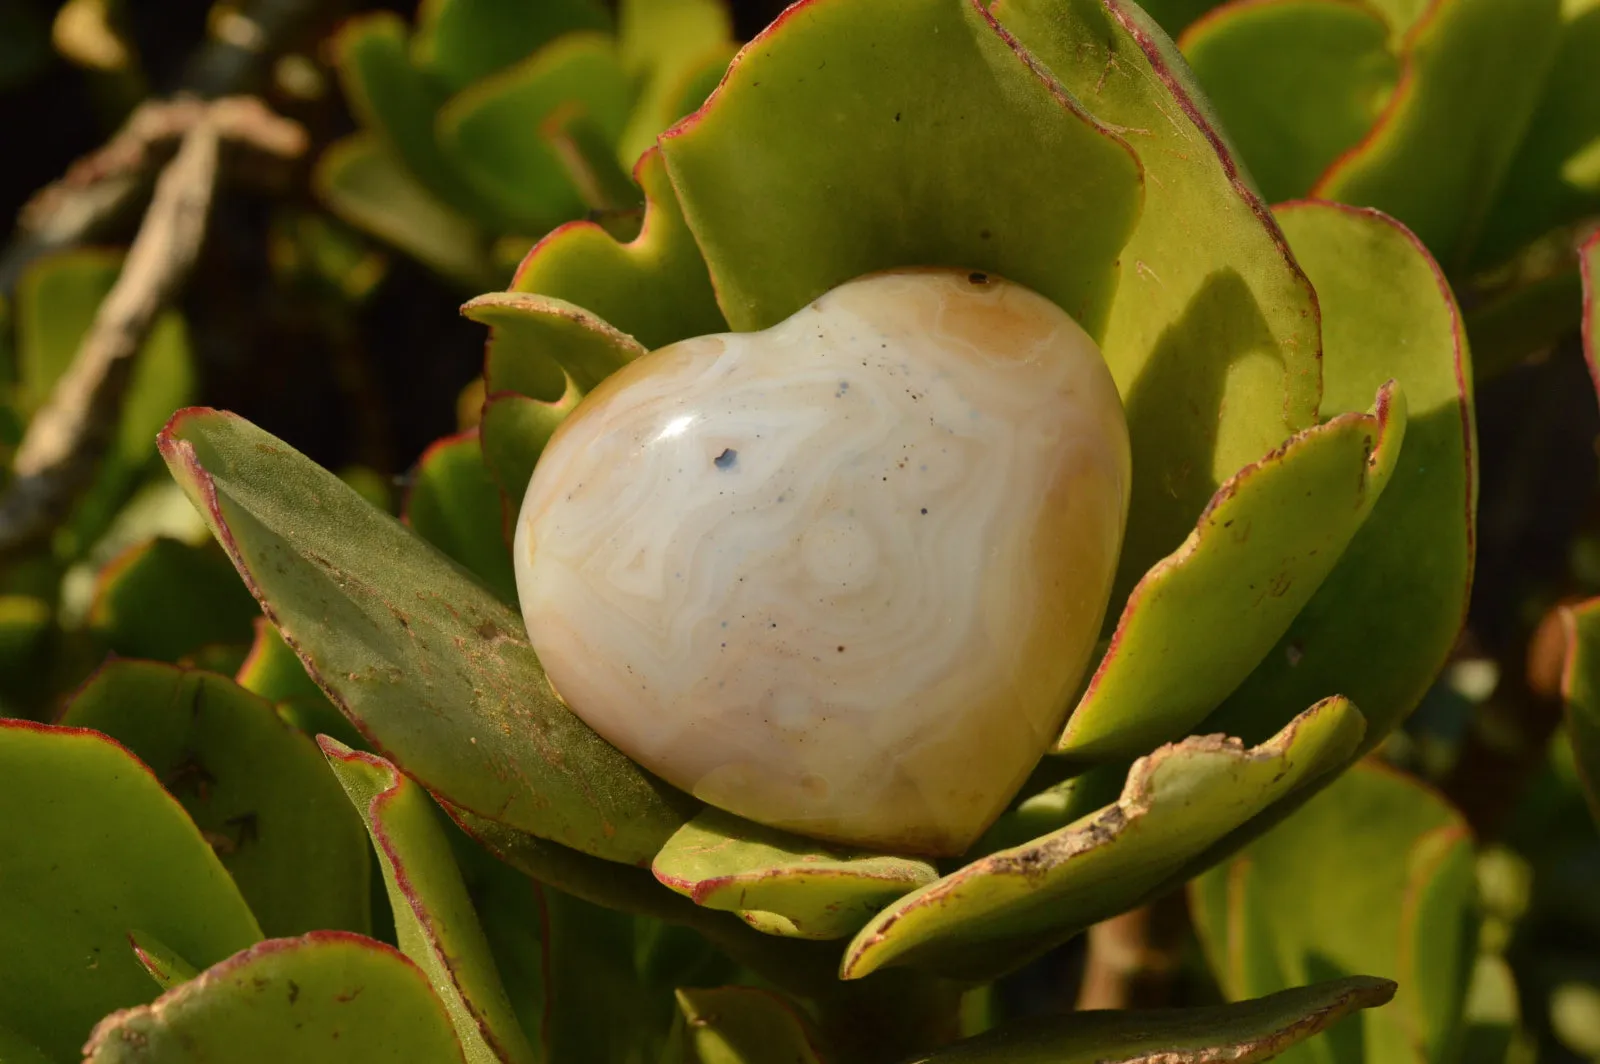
(727, 459)
(924, 509)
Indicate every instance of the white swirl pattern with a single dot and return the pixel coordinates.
(840, 576)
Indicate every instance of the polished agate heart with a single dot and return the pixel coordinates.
(841, 576)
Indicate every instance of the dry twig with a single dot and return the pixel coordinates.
(101, 190)
(66, 439)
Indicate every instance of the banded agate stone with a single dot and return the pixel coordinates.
(841, 576)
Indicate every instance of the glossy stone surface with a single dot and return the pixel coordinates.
(841, 576)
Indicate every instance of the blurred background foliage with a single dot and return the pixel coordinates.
(324, 308)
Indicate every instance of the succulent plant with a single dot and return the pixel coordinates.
(1295, 393)
(1477, 124)
(492, 122)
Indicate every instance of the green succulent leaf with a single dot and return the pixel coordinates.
(1214, 338)
(724, 862)
(366, 185)
(1580, 688)
(1297, 82)
(434, 918)
(165, 600)
(397, 102)
(460, 41)
(504, 134)
(1240, 1033)
(1203, 618)
(455, 504)
(100, 851)
(1375, 874)
(271, 670)
(513, 433)
(1176, 16)
(744, 1025)
(678, 50)
(1554, 177)
(14, 1049)
(931, 176)
(807, 968)
(531, 337)
(1437, 157)
(1054, 807)
(434, 669)
(56, 302)
(329, 997)
(1380, 626)
(655, 288)
(255, 787)
(1001, 910)
(159, 960)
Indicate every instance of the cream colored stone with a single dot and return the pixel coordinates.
(841, 576)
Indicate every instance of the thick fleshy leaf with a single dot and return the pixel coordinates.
(654, 288)
(55, 303)
(1205, 616)
(836, 146)
(329, 997)
(271, 670)
(396, 102)
(1241, 1033)
(434, 670)
(1554, 178)
(529, 335)
(160, 961)
(165, 599)
(1297, 82)
(1437, 156)
(723, 862)
(513, 433)
(255, 787)
(808, 968)
(454, 503)
(743, 1025)
(1214, 339)
(1580, 687)
(1002, 910)
(680, 49)
(1054, 807)
(1375, 874)
(460, 41)
(1526, 307)
(367, 186)
(1381, 625)
(434, 919)
(14, 1049)
(94, 849)
(503, 134)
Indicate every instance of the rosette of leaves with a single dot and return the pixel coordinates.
(493, 121)
(1294, 573)
(1474, 122)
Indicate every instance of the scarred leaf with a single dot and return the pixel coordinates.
(434, 670)
(329, 997)
(1002, 910)
(455, 504)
